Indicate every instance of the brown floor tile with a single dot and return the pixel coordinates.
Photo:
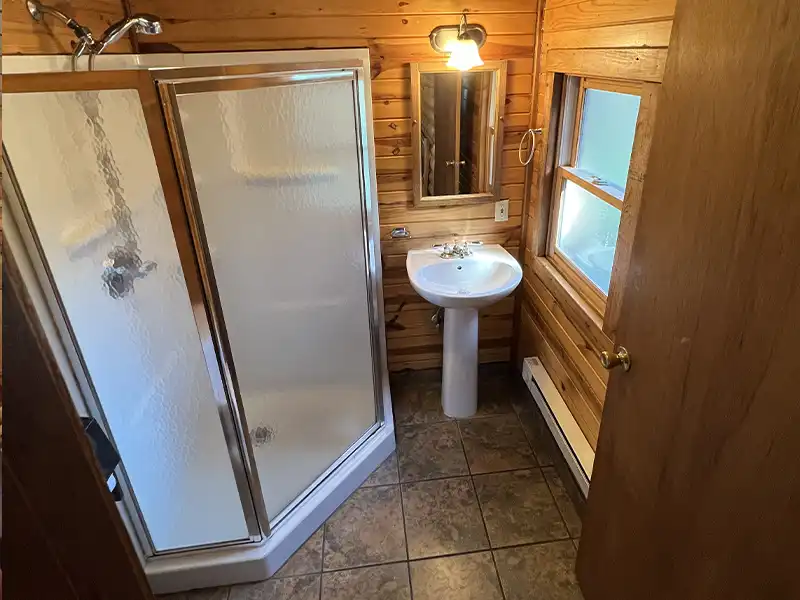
(385, 474)
(463, 577)
(496, 444)
(501, 391)
(518, 508)
(545, 571)
(367, 529)
(305, 587)
(217, 593)
(430, 451)
(418, 404)
(564, 502)
(539, 436)
(384, 582)
(308, 559)
(442, 517)
(493, 398)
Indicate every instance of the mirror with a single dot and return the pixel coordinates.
(457, 133)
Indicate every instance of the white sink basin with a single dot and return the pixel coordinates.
(487, 276)
(462, 286)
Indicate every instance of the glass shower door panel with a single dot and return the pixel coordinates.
(277, 176)
(88, 178)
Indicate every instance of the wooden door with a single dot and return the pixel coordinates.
(696, 485)
(62, 534)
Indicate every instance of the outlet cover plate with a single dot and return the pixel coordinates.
(501, 211)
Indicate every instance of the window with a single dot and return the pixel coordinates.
(597, 125)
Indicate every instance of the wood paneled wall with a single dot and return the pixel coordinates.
(625, 39)
(396, 32)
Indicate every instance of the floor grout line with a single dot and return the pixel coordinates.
(552, 495)
(405, 532)
(438, 556)
(322, 554)
(402, 512)
(488, 540)
(544, 477)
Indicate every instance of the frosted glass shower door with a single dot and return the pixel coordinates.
(276, 163)
(88, 180)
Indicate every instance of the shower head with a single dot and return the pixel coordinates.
(141, 23)
(148, 25)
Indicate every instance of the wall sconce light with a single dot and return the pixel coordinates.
(461, 42)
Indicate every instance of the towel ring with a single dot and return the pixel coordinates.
(531, 133)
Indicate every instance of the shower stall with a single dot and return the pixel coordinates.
(201, 232)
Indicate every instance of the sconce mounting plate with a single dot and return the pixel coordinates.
(443, 34)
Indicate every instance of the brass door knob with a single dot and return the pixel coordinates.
(609, 360)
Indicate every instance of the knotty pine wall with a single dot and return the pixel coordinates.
(625, 39)
(396, 32)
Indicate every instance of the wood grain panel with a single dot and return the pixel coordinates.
(537, 344)
(633, 35)
(407, 213)
(23, 35)
(170, 9)
(569, 354)
(546, 303)
(387, 53)
(506, 238)
(430, 357)
(617, 63)
(448, 230)
(365, 26)
(597, 13)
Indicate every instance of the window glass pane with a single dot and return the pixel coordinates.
(606, 134)
(587, 233)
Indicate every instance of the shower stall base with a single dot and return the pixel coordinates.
(250, 562)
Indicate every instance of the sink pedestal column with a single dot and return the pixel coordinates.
(460, 367)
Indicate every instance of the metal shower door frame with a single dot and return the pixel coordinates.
(141, 82)
(173, 82)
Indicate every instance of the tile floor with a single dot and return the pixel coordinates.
(464, 510)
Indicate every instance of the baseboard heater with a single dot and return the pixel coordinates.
(571, 442)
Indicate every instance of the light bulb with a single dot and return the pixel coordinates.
(463, 54)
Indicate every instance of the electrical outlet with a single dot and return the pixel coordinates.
(501, 210)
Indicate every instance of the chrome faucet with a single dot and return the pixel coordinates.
(455, 250)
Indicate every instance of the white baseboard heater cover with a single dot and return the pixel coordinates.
(570, 439)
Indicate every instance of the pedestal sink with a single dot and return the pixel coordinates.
(462, 285)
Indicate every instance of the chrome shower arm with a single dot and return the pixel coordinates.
(142, 23)
(38, 10)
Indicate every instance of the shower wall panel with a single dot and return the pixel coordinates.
(89, 182)
(279, 190)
